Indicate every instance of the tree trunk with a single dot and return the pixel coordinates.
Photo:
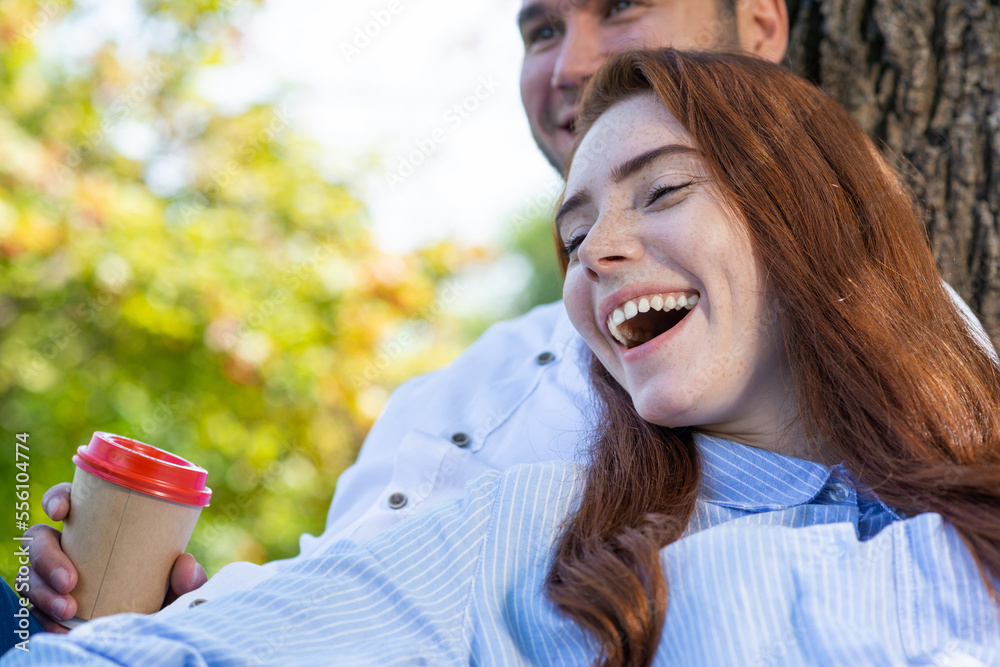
(923, 77)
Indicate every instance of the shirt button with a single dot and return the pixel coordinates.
(839, 493)
(397, 500)
(834, 550)
(460, 439)
(545, 358)
(195, 603)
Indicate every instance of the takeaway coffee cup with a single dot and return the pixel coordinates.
(132, 511)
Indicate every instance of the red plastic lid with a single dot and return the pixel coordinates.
(144, 468)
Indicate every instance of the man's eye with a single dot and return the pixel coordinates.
(540, 34)
(619, 6)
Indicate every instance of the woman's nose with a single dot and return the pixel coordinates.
(609, 247)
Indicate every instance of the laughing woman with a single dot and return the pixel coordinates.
(821, 333)
(797, 459)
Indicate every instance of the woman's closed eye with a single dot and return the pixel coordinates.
(662, 190)
(570, 246)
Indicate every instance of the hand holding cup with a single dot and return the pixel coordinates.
(133, 511)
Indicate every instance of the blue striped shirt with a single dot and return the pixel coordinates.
(784, 563)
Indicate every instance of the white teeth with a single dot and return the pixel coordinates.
(613, 328)
(630, 336)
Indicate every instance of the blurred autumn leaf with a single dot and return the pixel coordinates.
(210, 293)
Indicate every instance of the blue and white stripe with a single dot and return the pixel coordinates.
(783, 564)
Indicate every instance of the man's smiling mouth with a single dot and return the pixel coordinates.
(642, 319)
(566, 123)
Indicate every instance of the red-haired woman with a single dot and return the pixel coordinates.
(820, 330)
(798, 456)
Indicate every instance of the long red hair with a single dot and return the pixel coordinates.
(886, 374)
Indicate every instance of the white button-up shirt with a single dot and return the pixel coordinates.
(519, 394)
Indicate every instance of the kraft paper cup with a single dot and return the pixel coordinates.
(132, 511)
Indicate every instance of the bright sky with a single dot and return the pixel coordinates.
(415, 104)
(426, 90)
(378, 82)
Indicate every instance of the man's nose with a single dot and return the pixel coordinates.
(580, 54)
(609, 247)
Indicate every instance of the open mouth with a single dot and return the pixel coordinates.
(640, 320)
(569, 126)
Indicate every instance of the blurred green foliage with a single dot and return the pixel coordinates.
(243, 319)
(533, 240)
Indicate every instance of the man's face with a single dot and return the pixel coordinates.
(565, 41)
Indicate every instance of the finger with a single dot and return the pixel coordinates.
(50, 607)
(186, 576)
(55, 501)
(51, 576)
(48, 624)
(49, 565)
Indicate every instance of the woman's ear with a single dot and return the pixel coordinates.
(763, 28)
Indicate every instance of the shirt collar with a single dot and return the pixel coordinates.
(748, 478)
(737, 475)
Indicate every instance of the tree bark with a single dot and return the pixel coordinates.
(923, 78)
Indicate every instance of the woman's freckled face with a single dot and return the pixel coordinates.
(663, 229)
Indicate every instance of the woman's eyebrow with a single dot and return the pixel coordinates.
(636, 164)
(626, 169)
(581, 198)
